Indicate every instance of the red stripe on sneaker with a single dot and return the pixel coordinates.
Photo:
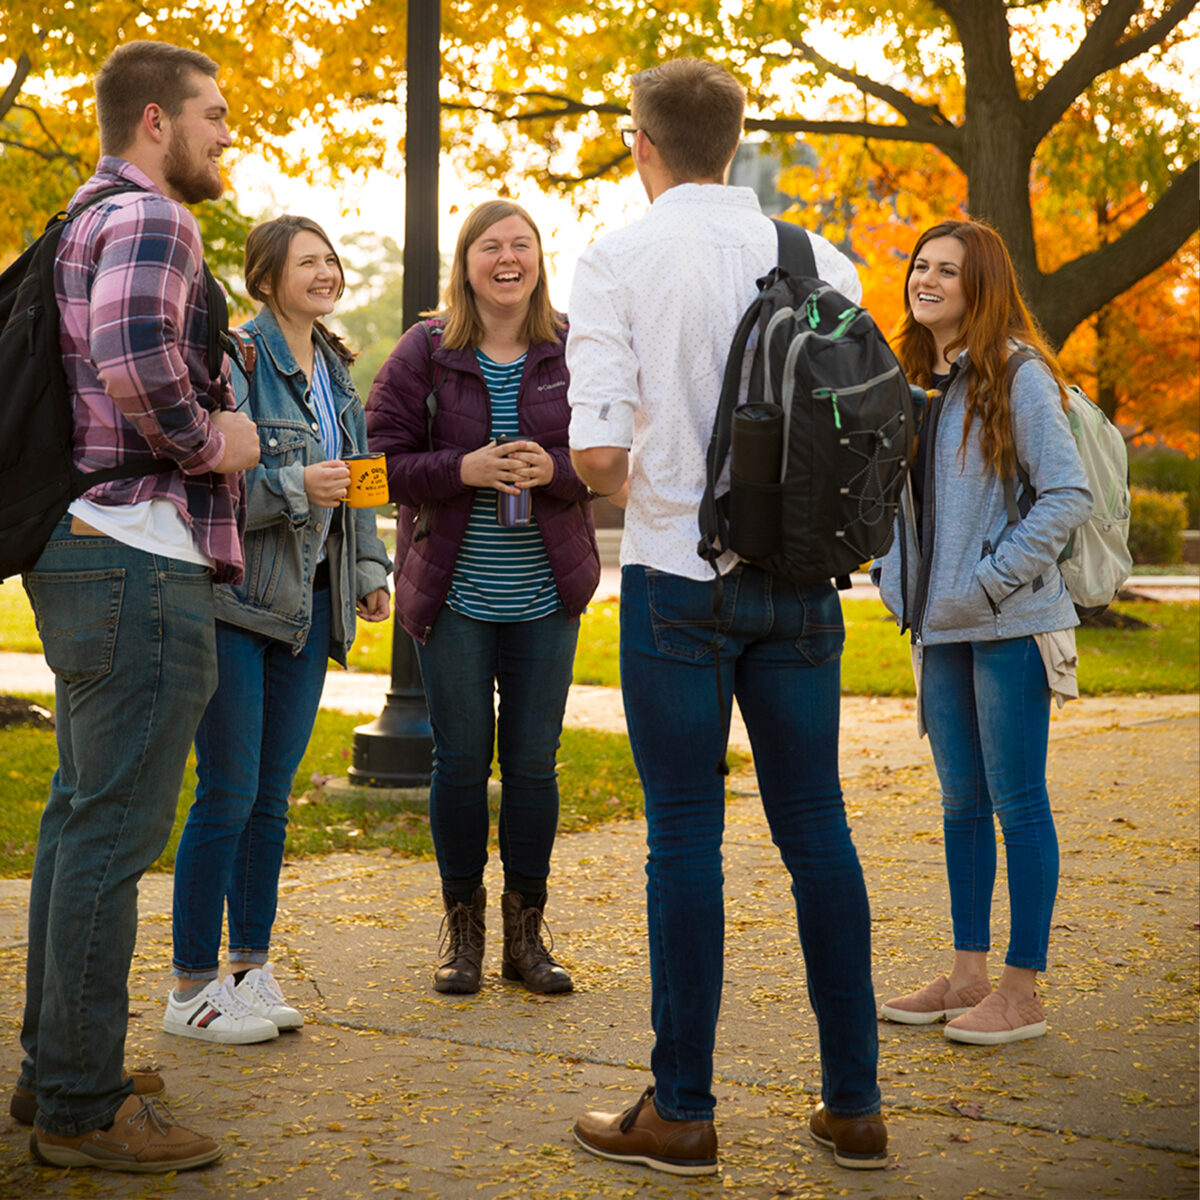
(210, 1015)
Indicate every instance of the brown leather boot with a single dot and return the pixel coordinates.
(525, 955)
(463, 934)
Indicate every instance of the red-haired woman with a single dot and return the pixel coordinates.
(990, 618)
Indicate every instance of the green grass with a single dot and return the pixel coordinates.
(1162, 658)
(597, 783)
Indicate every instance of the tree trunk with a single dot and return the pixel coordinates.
(997, 150)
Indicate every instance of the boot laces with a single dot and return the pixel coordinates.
(630, 1114)
(460, 930)
(529, 934)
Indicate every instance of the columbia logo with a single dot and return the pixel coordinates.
(549, 387)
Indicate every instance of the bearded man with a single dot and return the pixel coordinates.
(122, 593)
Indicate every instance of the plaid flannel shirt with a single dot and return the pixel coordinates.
(134, 334)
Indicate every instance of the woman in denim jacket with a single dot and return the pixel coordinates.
(312, 566)
(984, 599)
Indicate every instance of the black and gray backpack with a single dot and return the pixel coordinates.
(820, 450)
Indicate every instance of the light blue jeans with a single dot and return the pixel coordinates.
(987, 709)
(249, 744)
(129, 636)
(780, 648)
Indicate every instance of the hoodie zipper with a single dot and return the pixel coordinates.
(929, 509)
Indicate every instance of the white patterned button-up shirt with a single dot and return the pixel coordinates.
(653, 310)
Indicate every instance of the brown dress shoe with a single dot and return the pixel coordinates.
(464, 932)
(859, 1143)
(526, 958)
(23, 1105)
(143, 1139)
(640, 1135)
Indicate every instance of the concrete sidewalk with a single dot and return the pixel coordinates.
(392, 1089)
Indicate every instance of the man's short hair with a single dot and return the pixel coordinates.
(141, 73)
(692, 111)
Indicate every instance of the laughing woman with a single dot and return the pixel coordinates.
(988, 611)
(312, 566)
(492, 596)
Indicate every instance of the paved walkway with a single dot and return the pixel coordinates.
(391, 1089)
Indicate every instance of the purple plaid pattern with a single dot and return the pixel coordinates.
(134, 330)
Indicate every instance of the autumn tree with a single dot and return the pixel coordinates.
(1087, 106)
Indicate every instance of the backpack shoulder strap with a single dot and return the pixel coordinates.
(433, 339)
(795, 250)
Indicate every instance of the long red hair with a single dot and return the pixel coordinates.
(995, 313)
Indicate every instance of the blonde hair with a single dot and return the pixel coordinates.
(463, 326)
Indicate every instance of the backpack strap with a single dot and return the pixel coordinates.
(243, 353)
(433, 338)
(1015, 510)
(795, 250)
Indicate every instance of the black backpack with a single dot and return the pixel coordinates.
(822, 446)
(38, 478)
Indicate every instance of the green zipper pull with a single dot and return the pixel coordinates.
(844, 319)
(813, 311)
(837, 416)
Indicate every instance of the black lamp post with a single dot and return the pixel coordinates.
(396, 749)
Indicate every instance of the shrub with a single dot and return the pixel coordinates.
(1169, 471)
(1156, 522)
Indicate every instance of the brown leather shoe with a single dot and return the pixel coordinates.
(640, 1135)
(142, 1140)
(859, 1143)
(23, 1105)
(526, 957)
(464, 932)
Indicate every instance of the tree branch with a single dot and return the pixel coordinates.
(1101, 50)
(1080, 287)
(906, 106)
(9, 98)
(1151, 36)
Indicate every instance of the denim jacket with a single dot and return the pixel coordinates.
(282, 535)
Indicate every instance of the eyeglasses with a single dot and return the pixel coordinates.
(627, 136)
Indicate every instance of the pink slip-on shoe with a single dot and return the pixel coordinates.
(933, 1002)
(994, 1021)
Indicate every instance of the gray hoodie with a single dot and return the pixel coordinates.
(972, 576)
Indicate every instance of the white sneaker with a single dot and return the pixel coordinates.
(262, 995)
(217, 1014)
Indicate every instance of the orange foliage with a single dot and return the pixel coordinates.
(874, 201)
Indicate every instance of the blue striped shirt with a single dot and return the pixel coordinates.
(502, 573)
(320, 395)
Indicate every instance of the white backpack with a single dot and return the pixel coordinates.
(1096, 561)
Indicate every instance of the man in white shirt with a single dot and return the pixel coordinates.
(653, 311)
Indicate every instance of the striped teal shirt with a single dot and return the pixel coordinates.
(502, 572)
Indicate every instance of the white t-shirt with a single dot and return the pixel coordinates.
(653, 310)
(155, 526)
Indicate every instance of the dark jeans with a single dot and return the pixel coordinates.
(987, 708)
(463, 664)
(780, 649)
(129, 636)
(248, 746)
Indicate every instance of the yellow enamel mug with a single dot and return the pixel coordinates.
(368, 480)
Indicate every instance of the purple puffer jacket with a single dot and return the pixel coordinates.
(420, 477)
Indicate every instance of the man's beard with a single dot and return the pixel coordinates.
(194, 183)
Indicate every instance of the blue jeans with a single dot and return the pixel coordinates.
(129, 636)
(780, 648)
(250, 742)
(463, 662)
(987, 709)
